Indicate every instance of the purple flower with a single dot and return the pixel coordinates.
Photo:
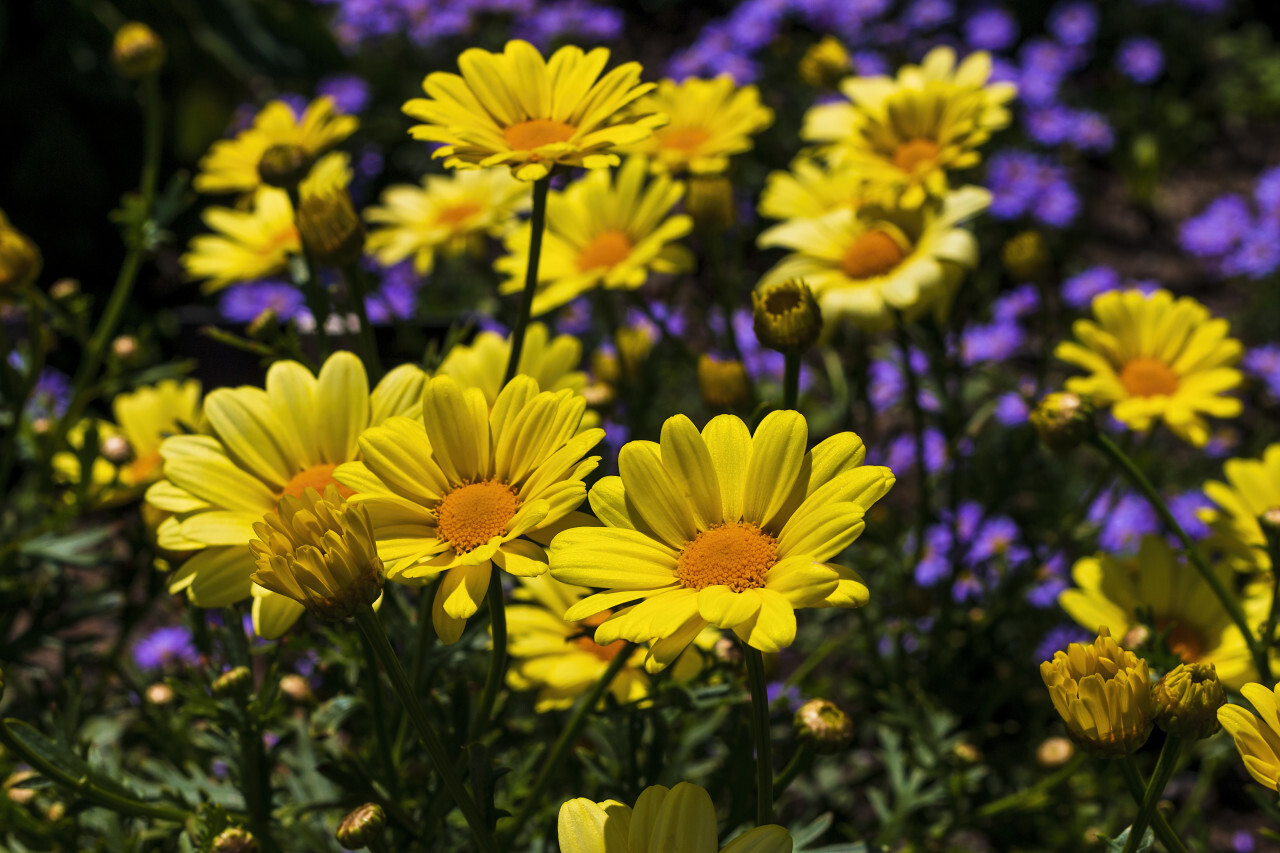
(789, 695)
(1259, 253)
(50, 396)
(1016, 304)
(242, 303)
(1204, 7)
(584, 21)
(1242, 842)
(991, 29)
(164, 646)
(1267, 192)
(868, 63)
(1011, 409)
(1264, 363)
(574, 318)
(994, 342)
(1218, 228)
(1074, 24)
(929, 14)
(1057, 640)
(1057, 205)
(1023, 183)
(888, 384)
(1050, 582)
(1123, 521)
(1186, 510)
(1091, 132)
(1140, 59)
(935, 563)
(1051, 124)
(1079, 290)
(997, 538)
(902, 452)
(350, 92)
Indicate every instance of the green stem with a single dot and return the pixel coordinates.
(380, 722)
(358, 287)
(1027, 797)
(312, 289)
(577, 719)
(1268, 637)
(1229, 603)
(799, 762)
(760, 728)
(255, 774)
(1141, 794)
(537, 225)
(917, 432)
(497, 660)
(791, 379)
(372, 628)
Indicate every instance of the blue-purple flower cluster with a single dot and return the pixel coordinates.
(1236, 236)
(972, 551)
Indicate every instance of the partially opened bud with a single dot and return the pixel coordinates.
(786, 316)
(825, 64)
(1063, 420)
(330, 228)
(232, 682)
(235, 840)
(823, 726)
(723, 384)
(137, 51)
(1103, 694)
(1187, 700)
(361, 827)
(20, 260)
(284, 166)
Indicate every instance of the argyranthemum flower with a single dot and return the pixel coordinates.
(262, 445)
(1257, 737)
(517, 109)
(482, 364)
(868, 263)
(1153, 357)
(602, 234)
(811, 190)
(709, 120)
(232, 164)
(907, 133)
(1196, 628)
(1103, 693)
(674, 820)
(721, 528)
(1252, 488)
(465, 487)
(447, 213)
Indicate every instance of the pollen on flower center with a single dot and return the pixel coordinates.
(683, 138)
(873, 253)
(910, 155)
(528, 135)
(1185, 642)
(455, 214)
(734, 555)
(1148, 377)
(606, 250)
(471, 515)
(317, 477)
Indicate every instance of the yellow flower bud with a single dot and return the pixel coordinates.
(330, 228)
(1187, 700)
(20, 260)
(823, 726)
(723, 384)
(297, 689)
(634, 345)
(1054, 752)
(284, 166)
(1025, 256)
(235, 840)
(1103, 694)
(709, 200)
(233, 682)
(319, 551)
(825, 64)
(64, 288)
(361, 827)
(125, 348)
(785, 316)
(1063, 420)
(160, 694)
(137, 51)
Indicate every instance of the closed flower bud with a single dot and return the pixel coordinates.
(1054, 752)
(825, 64)
(125, 348)
(1025, 256)
(823, 726)
(319, 551)
(785, 316)
(634, 345)
(284, 166)
(137, 51)
(1103, 694)
(234, 840)
(1063, 420)
(265, 327)
(1269, 518)
(1187, 700)
(160, 694)
(604, 364)
(116, 449)
(232, 682)
(709, 200)
(297, 689)
(20, 260)
(64, 288)
(361, 827)
(723, 383)
(330, 228)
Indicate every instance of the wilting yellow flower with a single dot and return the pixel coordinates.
(1257, 737)
(465, 487)
(482, 364)
(1252, 487)
(262, 445)
(447, 213)
(232, 164)
(319, 551)
(721, 528)
(865, 265)
(143, 419)
(515, 108)
(1103, 693)
(907, 133)
(811, 190)
(602, 234)
(1153, 357)
(709, 120)
(676, 820)
(1196, 626)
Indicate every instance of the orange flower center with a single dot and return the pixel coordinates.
(280, 240)
(607, 250)
(143, 468)
(535, 133)
(686, 139)
(455, 214)
(735, 555)
(873, 253)
(910, 155)
(1184, 641)
(605, 653)
(317, 477)
(469, 516)
(1148, 377)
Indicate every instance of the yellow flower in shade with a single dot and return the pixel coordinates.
(1196, 628)
(465, 487)
(868, 264)
(130, 458)
(674, 820)
(517, 109)
(602, 234)
(709, 120)
(447, 213)
(262, 445)
(824, 64)
(1103, 694)
(721, 528)
(1153, 357)
(1257, 737)
(232, 164)
(811, 190)
(553, 362)
(908, 133)
(1252, 487)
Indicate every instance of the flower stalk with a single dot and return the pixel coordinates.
(760, 729)
(1166, 834)
(497, 660)
(1165, 766)
(537, 226)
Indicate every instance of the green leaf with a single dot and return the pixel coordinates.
(78, 549)
(1116, 845)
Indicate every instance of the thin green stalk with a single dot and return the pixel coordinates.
(1229, 603)
(372, 628)
(791, 379)
(537, 225)
(418, 658)
(577, 719)
(917, 432)
(380, 722)
(1147, 812)
(255, 774)
(312, 289)
(760, 728)
(358, 288)
(1273, 549)
(1029, 796)
(497, 660)
(799, 762)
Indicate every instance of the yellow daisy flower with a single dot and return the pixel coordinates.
(262, 445)
(1252, 488)
(908, 133)
(232, 164)
(447, 213)
(515, 108)
(1155, 357)
(1257, 737)
(674, 820)
(709, 120)
(867, 263)
(553, 362)
(810, 190)
(1196, 626)
(602, 234)
(465, 487)
(721, 528)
